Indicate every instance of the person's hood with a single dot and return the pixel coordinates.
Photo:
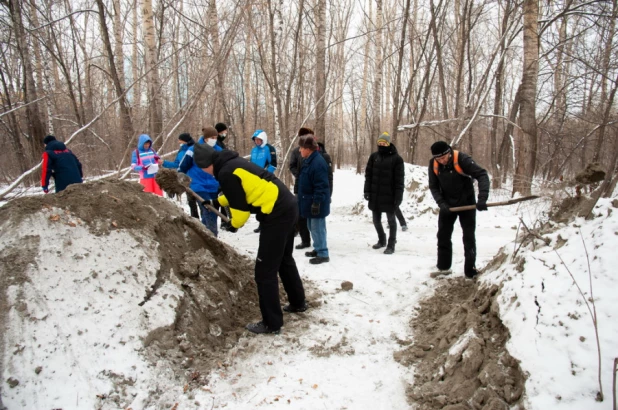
(55, 145)
(262, 135)
(144, 138)
(322, 148)
(220, 158)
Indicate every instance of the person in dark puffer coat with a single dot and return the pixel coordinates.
(59, 162)
(384, 183)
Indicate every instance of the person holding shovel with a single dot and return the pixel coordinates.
(250, 189)
(450, 181)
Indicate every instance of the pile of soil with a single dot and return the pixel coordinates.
(219, 294)
(459, 352)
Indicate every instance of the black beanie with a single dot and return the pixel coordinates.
(203, 155)
(48, 139)
(185, 136)
(220, 127)
(440, 148)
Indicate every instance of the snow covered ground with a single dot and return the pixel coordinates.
(339, 354)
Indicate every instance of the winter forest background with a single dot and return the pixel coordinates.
(527, 87)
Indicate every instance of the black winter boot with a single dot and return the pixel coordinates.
(390, 249)
(381, 243)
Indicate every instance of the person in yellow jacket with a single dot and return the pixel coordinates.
(249, 189)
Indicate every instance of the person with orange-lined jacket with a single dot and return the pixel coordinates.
(450, 181)
(60, 163)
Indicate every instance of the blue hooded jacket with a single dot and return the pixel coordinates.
(261, 155)
(147, 157)
(201, 181)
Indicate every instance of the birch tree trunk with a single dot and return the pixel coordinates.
(320, 71)
(118, 43)
(527, 150)
(135, 72)
(379, 67)
(397, 90)
(155, 108)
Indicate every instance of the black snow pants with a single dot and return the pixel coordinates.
(275, 255)
(446, 223)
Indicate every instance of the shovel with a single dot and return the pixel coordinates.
(509, 202)
(175, 183)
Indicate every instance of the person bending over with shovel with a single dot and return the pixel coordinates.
(450, 181)
(249, 189)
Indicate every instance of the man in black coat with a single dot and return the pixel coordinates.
(384, 182)
(249, 189)
(450, 181)
(295, 165)
(221, 134)
(61, 164)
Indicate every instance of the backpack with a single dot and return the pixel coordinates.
(455, 165)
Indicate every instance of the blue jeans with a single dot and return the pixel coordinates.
(317, 227)
(209, 218)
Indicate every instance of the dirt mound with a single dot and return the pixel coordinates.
(592, 174)
(107, 252)
(459, 354)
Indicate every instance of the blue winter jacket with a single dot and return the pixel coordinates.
(60, 163)
(147, 157)
(179, 156)
(313, 186)
(201, 181)
(262, 155)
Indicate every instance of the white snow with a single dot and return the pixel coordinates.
(338, 354)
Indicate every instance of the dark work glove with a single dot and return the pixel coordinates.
(444, 208)
(366, 196)
(228, 227)
(212, 202)
(315, 209)
(481, 205)
(45, 189)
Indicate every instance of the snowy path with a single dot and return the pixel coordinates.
(340, 353)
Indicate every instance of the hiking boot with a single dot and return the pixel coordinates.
(472, 274)
(311, 254)
(260, 328)
(440, 272)
(295, 309)
(404, 228)
(380, 244)
(302, 245)
(389, 250)
(319, 259)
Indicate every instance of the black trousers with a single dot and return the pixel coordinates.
(275, 255)
(392, 227)
(303, 230)
(400, 218)
(446, 223)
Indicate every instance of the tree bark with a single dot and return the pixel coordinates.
(126, 122)
(320, 70)
(377, 82)
(153, 83)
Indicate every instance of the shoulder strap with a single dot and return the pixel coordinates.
(139, 160)
(455, 164)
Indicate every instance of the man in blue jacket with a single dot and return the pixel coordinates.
(186, 141)
(59, 162)
(314, 196)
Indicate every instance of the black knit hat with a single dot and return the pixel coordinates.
(203, 155)
(48, 139)
(220, 127)
(440, 148)
(185, 136)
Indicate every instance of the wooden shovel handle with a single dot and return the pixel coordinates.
(509, 202)
(208, 206)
